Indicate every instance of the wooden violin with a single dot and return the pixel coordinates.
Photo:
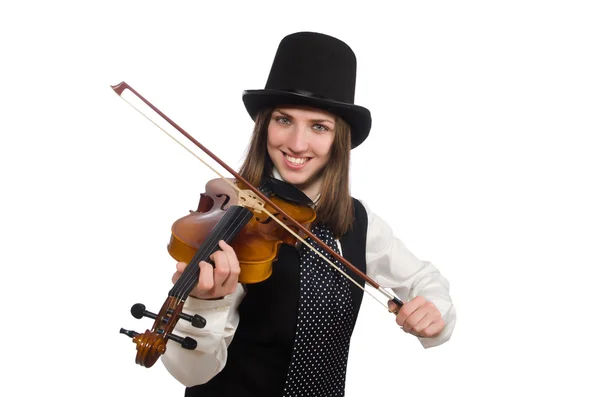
(221, 215)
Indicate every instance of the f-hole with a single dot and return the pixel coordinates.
(224, 202)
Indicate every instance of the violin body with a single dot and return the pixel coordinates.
(256, 245)
(238, 218)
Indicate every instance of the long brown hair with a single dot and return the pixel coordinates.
(334, 207)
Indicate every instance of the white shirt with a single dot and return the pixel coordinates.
(389, 263)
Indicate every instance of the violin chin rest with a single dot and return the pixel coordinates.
(284, 190)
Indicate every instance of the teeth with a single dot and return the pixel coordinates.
(296, 160)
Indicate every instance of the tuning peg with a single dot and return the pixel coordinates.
(187, 342)
(129, 333)
(196, 320)
(139, 310)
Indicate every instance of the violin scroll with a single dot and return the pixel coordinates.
(153, 343)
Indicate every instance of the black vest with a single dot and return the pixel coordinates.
(261, 350)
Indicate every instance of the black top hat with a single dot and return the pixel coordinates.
(316, 70)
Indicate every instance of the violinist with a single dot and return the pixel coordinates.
(290, 334)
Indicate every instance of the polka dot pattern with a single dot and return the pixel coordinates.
(318, 365)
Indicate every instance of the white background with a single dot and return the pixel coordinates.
(483, 157)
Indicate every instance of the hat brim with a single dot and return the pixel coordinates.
(358, 117)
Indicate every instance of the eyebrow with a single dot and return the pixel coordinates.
(311, 120)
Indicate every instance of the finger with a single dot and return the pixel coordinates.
(231, 282)
(414, 319)
(226, 247)
(206, 280)
(433, 329)
(419, 328)
(230, 253)
(407, 309)
(222, 268)
(180, 266)
(392, 307)
(175, 277)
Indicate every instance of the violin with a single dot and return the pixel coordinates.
(246, 218)
(221, 215)
(256, 244)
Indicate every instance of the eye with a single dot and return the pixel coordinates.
(282, 120)
(320, 127)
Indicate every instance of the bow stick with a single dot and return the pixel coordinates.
(121, 87)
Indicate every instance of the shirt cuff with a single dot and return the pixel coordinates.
(215, 312)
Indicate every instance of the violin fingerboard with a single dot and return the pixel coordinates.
(234, 220)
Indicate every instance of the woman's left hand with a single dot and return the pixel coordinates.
(419, 317)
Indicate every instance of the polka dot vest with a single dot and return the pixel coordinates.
(325, 322)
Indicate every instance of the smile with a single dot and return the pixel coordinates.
(297, 161)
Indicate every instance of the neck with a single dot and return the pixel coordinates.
(312, 188)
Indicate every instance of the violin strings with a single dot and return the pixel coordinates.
(387, 294)
(189, 278)
(305, 242)
(220, 232)
(212, 242)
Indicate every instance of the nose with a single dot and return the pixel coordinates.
(298, 139)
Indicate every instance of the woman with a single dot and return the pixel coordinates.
(290, 335)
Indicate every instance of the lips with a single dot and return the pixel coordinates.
(295, 162)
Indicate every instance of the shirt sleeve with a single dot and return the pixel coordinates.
(393, 266)
(195, 367)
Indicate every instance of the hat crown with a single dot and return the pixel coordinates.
(315, 64)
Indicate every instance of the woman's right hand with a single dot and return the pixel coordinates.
(215, 282)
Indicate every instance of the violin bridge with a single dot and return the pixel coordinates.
(249, 199)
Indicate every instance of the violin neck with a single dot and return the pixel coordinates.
(234, 220)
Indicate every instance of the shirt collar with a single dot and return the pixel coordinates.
(277, 175)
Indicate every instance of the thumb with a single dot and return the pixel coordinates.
(392, 307)
(180, 266)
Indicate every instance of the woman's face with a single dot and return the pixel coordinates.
(299, 142)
